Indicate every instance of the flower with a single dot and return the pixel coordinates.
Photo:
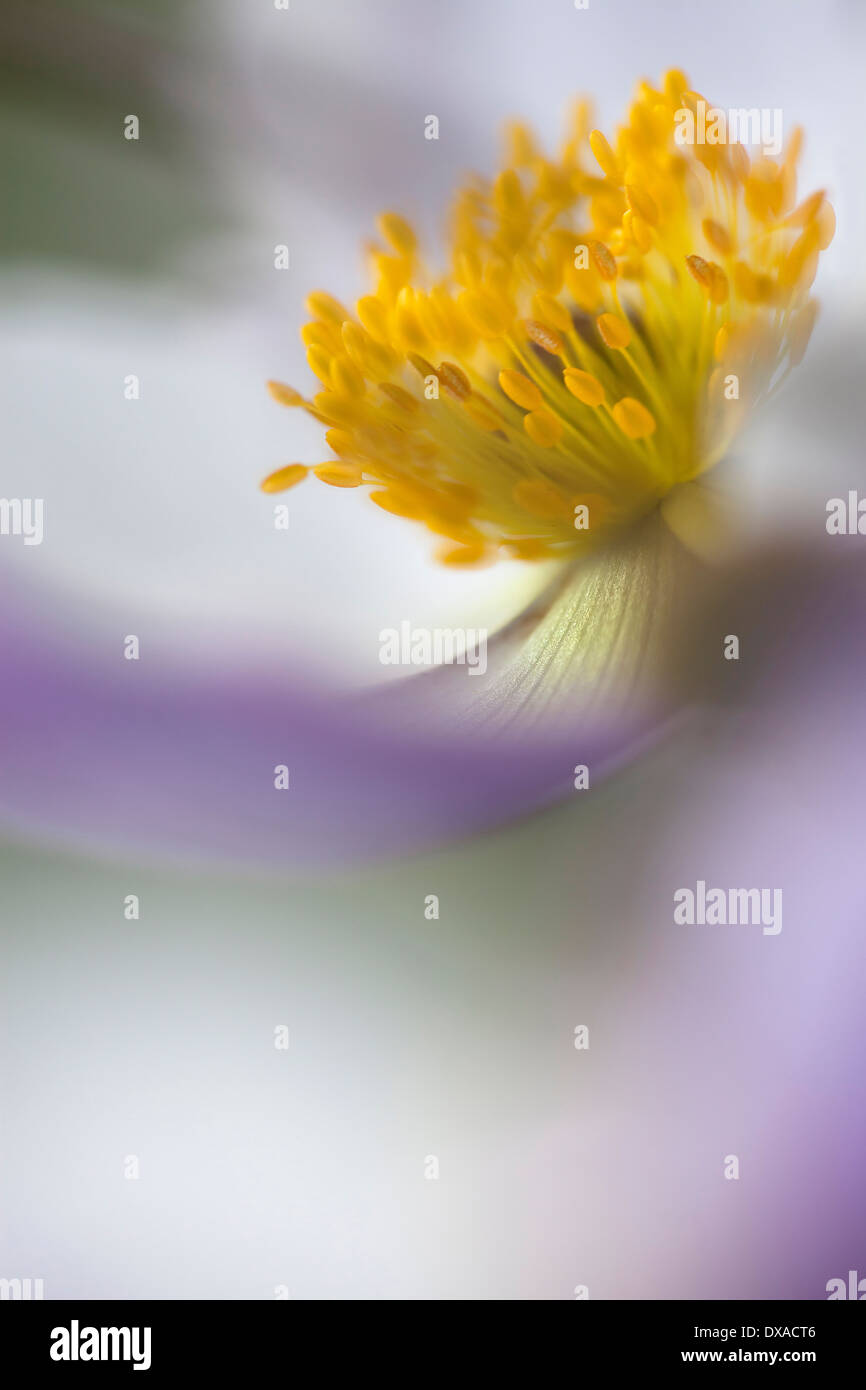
(626, 354)
(608, 318)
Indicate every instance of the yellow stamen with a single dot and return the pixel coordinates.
(718, 237)
(549, 310)
(461, 555)
(519, 389)
(398, 504)
(396, 230)
(710, 277)
(285, 395)
(604, 154)
(614, 330)
(642, 204)
(325, 306)
(544, 337)
(543, 428)
(584, 386)
(603, 260)
(346, 379)
(633, 418)
(400, 397)
(454, 381)
(579, 365)
(338, 474)
(284, 478)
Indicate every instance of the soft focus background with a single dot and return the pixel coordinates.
(408, 1037)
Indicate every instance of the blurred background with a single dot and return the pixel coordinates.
(408, 1038)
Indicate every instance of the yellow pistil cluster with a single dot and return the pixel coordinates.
(607, 317)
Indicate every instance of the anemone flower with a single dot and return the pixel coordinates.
(609, 318)
(561, 394)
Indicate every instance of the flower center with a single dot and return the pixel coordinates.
(609, 318)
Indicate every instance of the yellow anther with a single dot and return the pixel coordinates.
(825, 223)
(799, 265)
(398, 503)
(584, 386)
(398, 233)
(455, 530)
(520, 145)
(285, 478)
(754, 287)
(407, 324)
(806, 211)
(343, 444)
(285, 395)
(325, 306)
(634, 419)
(602, 259)
(642, 203)
(461, 556)
(547, 309)
(338, 474)
(508, 193)
(435, 324)
(642, 127)
(675, 84)
(544, 337)
(763, 194)
(794, 148)
(357, 342)
(519, 389)
(323, 335)
(604, 155)
(394, 273)
(371, 358)
(454, 382)
(400, 397)
(346, 379)
(710, 277)
(700, 269)
(338, 410)
(614, 330)
(717, 235)
(543, 428)
(319, 360)
(637, 229)
(374, 316)
(421, 365)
